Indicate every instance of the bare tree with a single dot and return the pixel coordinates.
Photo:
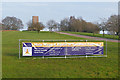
(35, 26)
(92, 28)
(103, 25)
(38, 26)
(112, 24)
(119, 25)
(12, 23)
(78, 25)
(30, 26)
(95, 28)
(56, 26)
(64, 24)
(119, 19)
(52, 25)
(81, 25)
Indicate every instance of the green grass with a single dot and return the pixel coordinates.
(12, 67)
(95, 35)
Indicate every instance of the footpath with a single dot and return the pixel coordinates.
(95, 38)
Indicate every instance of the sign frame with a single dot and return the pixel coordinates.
(104, 55)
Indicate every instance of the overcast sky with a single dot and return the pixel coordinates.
(59, 0)
(89, 11)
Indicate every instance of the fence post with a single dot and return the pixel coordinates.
(106, 48)
(19, 48)
(65, 50)
(43, 54)
(86, 55)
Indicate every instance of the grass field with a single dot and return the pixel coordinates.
(12, 67)
(95, 35)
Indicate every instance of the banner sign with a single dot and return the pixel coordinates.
(62, 48)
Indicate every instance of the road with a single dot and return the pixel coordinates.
(89, 37)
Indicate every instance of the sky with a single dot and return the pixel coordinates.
(59, 0)
(89, 11)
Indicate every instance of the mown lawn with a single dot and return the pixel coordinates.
(95, 35)
(12, 67)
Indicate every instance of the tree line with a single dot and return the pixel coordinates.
(78, 25)
(67, 24)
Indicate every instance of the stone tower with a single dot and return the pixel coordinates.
(35, 19)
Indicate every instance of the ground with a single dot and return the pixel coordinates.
(12, 67)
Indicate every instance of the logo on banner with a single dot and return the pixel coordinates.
(27, 51)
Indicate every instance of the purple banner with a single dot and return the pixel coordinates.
(31, 50)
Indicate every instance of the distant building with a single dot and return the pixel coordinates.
(108, 32)
(111, 33)
(35, 19)
(105, 32)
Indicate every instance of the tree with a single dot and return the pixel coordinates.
(112, 24)
(64, 24)
(74, 25)
(103, 25)
(12, 23)
(84, 25)
(35, 26)
(30, 26)
(119, 19)
(81, 25)
(119, 24)
(38, 26)
(94, 28)
(56, 26)
(78, 25)
(52, 25)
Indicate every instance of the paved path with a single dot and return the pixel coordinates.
(95, 38)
